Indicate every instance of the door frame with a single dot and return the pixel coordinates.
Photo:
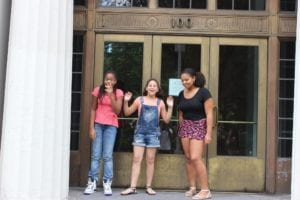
(158, 40)
(240, 163)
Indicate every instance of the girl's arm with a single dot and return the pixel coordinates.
(180, 118)
(128, 110)
(116, 102)
(208, 106)
(166, 115)
(92, 133)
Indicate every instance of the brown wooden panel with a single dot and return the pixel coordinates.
(88, 74)
(79, 21)
(287, 26)
(272, 114)
(283, 181)
(91, 4)
(74, 173)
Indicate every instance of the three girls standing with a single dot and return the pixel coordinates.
(195, 130)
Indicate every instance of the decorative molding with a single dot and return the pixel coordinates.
(212, 23)
(172, 23)
(152, 22)
(287, 25)
(80, 21)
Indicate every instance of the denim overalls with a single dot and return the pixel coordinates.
(147, 131)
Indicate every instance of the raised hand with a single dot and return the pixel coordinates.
(170, 101)
(127, 96)
(108, 88)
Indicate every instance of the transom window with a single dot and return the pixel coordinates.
(79, 2)
(197, 4)
(288, 5)
(241, 4)
(123, 3)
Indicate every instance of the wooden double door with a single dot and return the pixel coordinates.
(235, 69)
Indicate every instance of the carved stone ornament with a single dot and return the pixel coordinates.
(211, 24)
(152, 22)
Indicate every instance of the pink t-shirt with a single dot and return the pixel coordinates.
(104, 113)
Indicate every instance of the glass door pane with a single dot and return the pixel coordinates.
(128, 57)
(171, 55)
(176, 57)
(238, 75)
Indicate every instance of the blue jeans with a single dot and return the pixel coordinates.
(102, 148)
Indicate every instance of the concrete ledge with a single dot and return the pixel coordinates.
(76, 194)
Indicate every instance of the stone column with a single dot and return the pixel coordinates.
(4, 30)
(153, 3)
(34, 160)
(296, 124)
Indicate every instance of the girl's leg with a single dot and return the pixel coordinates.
(109, 137)
(150, 161)
(196, 153)
(138, 153)
(96, 153)
(190, 170)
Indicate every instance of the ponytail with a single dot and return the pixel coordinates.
(200, 80)
(199, 77)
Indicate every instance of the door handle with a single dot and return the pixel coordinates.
(216, 116)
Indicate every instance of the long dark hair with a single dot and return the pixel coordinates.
(199, 77)
(102, 86)
(159, 93)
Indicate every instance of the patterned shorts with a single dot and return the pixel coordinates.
(193, 129)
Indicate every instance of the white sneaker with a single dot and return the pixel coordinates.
(107, 188)
(91, 187)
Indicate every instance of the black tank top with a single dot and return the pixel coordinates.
(193, 108)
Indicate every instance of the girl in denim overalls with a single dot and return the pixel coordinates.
(147, 131)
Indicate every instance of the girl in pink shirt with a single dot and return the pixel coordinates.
(106, 105)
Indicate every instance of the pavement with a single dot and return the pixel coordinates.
(76, 194)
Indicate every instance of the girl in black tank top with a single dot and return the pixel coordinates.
(195, 129)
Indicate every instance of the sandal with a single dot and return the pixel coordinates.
(129, 191)
(203, 194)
(150, 191)
(191, 192)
